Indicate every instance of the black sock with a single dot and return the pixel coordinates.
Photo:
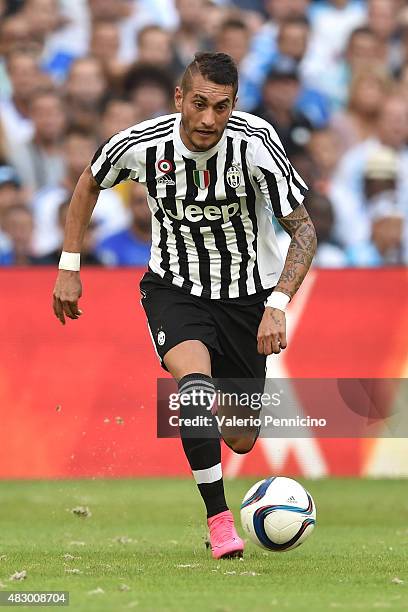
(202, 444)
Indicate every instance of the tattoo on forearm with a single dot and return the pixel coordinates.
(301, 250)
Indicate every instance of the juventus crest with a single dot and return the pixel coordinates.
(233, 177)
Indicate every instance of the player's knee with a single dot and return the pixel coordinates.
(240, 445)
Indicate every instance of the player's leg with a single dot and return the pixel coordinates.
(190, 364)
(183, 333)
(239, 438)
(187, 357)
(237, 328)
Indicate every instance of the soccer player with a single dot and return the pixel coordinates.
(215, 293)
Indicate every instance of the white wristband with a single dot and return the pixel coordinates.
(70, 261)
(278, 300)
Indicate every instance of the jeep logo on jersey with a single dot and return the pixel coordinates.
(195, 213)
(201, 178)
(233, 177)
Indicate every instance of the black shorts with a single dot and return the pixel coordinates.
(227, 327)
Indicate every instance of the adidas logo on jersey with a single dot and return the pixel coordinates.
(166, 180)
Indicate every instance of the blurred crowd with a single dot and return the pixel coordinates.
(331, 76)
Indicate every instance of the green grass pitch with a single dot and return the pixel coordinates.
(148, 534)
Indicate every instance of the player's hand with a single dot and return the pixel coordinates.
(67, 291)
(272, 332)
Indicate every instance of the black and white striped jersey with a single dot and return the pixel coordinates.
(212, 231)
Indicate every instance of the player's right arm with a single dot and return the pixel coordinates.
(68, 287)
(113, 163)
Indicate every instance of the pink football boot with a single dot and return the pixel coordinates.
(225, 542)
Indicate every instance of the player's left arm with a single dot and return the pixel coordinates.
(282, 190)
(272, 330)
(302, 249)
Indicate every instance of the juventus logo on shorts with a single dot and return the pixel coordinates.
(233, 176)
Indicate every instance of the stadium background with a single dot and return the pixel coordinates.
(332, 78)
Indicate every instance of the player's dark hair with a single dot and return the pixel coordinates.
(218, 68)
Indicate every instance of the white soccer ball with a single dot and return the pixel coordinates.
(278, 514)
